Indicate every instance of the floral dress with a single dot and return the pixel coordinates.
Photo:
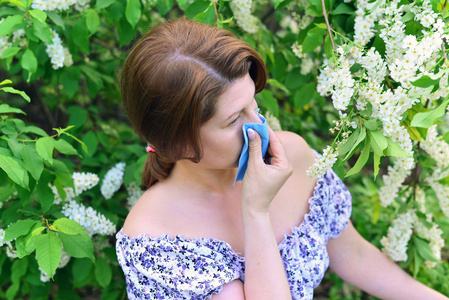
(183, 268)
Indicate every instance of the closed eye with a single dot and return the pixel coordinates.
(234, 121)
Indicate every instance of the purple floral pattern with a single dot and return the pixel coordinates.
(182, 268)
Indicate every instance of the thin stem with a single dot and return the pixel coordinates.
(329, 30)
(216, 10)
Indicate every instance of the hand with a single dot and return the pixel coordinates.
(263, 181)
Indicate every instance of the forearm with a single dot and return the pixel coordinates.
(384, 279)
(360, 263)
(264, 271)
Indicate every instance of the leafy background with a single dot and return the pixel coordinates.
(57, 121)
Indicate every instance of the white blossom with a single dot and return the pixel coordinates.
(242, 15)
(113, 180)
(92, 221)
(323, 163)
(134, 193)
(395, 243)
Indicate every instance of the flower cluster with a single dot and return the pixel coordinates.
(59, 55)
(134, 193)
(323, 163)
(17, 36)
(92, 221)
(433, 235)
(395, 243)
(113, 180)
(242, 15)
(407, 58)
(81, 181)
(45, 5)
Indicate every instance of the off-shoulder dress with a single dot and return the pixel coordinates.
(177, 267)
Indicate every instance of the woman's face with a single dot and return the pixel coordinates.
(222, 136)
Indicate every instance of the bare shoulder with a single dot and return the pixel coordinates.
(298, 151)
(145, 216)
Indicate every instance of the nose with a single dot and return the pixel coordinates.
(254, 117)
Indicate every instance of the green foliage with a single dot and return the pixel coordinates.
(62, 117)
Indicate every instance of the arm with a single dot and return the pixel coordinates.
(264, 271)
(265, 275)
(360, 263)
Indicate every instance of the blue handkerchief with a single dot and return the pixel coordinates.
(262, 130)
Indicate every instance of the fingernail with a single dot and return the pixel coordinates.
(251, 134)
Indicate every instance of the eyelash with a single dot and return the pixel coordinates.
(235, 121)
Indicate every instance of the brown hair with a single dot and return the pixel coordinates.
(170, 82)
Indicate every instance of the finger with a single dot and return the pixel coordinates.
(254, 146)
(276, 149)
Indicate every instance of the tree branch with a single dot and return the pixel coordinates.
(329, 30)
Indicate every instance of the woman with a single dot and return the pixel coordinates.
(188, 88)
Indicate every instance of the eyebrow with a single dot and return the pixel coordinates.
(234, 113)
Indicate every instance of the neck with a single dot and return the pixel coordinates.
(206, 182)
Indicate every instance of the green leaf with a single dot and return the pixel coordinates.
(35, 130)
(81, 268)
(64, 147)
(133, 12)
(11, 51)
(277, 3)
(304, 95)
(92, 21)
(314, 38)
(14, 171)
(18, 270)
(80, 35)
(195, 8)
(269, 102)
(44, 192)
(18, 228)
(362, 160)
(62, 130)
(395, 150)
(25, 244)
(44, 147)
(42, 31)
(29, 62)
(6, 81)
(360, 138)
(427, 119)
(408, 17)
(48, 252)
(79, 245)
(83, 146)
(277, 84)
(207, 16)
(38, 14)
(371, 124)
(426, 81)
(56, 18)
(103, 3)
(343, 9)
(6, 109)
(424, 249)
(378, 142)
(14, 91)
(103, 272)
(164, 6)
(68, 226)
(350, 142)
(183, 4)
(376, 167)
(7, 25)
(32, 162)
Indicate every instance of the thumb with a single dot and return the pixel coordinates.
(254, 146)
